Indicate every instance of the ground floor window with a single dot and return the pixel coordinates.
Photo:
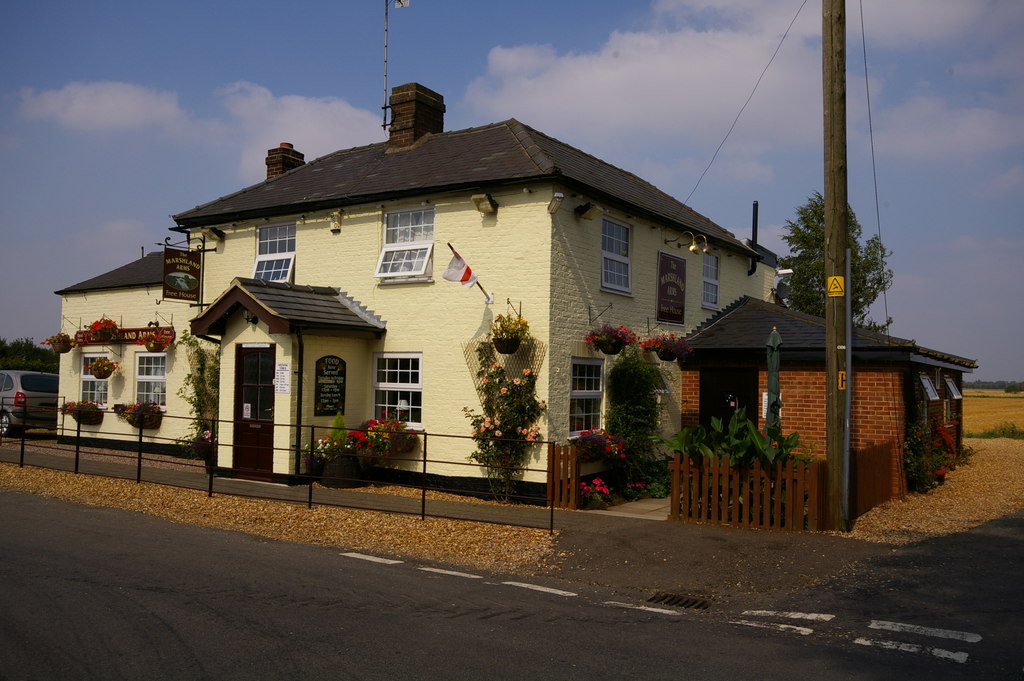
(398, 387)
(151, 378)
(585, 393)
(93, 389)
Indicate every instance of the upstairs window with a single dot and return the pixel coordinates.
(275, 253)
(408, 244)
(615, 256)
(709, 295)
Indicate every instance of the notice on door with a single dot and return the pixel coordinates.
(283, 377)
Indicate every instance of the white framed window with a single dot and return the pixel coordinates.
(709, 294)
(952, 392)
(398, 387)
(408, 244)
(615, 269)
(586, 391)
(151, 378)
(275, 253)
(93, 389)
(929, 387)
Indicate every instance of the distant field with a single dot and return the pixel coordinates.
(986, 409)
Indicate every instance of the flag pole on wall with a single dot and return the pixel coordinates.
(459, 271)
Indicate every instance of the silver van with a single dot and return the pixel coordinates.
(28, 399)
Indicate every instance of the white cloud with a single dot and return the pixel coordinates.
(103, 106)
(1010, 182)
(316, 126)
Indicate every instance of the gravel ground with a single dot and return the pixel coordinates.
(991, 486)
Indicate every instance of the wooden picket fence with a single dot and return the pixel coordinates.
(786, 496)
(563, 476)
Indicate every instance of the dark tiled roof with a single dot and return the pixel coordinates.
(285, 307)
(745, 325)
(146, 271)
(489, 155)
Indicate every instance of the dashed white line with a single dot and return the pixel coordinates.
(965, 636)
(803, 631)
(450, 573)
(537, 587)
(955, 656)
(814, 616)
(645, 608)
(372, 559)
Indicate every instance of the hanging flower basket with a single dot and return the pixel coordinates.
(60, 342)
(668, 346)
(506, 346)
(101, 367)
(156, 341)
(85, 412)
(145, 415)
(146, 421)
(103, 330)
(610, 346)
(666, 354)
(611, 339)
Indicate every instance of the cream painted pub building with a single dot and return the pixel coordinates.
(334, 267)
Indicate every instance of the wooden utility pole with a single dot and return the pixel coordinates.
(833, 52)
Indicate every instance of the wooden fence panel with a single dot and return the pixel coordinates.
(563, 476)
(783, 496)
(876, 476)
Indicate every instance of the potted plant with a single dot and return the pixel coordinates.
(386, 436)
(508, 331)
(334, 456)
(103, 330)
(668, 346)
(60, 342)
(101, 367)
(205, 448)
(156, 341)
(597, 444)
(85, 412)
(611, 339)
(141, 414)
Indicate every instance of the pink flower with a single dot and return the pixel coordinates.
(497, 433)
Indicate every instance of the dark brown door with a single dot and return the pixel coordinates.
(254, 413)
(723, 391)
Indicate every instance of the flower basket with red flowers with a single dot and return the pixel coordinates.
(156, 341)
(146, 415)
(611, 339)
(103, 330)
(60, 342)
(596, 445)
(85, 412)
(668, 346)
(101, 367)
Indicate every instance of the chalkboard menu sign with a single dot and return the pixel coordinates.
(330, 386)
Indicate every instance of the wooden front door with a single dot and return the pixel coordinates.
(723, 391)
(254, 413)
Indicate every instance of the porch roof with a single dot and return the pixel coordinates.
(285, 308)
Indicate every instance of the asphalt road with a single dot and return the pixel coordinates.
(96, 593)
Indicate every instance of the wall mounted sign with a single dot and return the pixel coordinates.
(329, 391)
(183, 271)
(283, 377)
(126, 335)
(671, 288)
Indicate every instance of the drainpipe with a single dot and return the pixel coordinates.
(298, 402)
(753, 242)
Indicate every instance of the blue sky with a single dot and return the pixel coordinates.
(115, 115)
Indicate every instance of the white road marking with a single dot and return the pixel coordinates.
(373, 559)
(537, 587)
(645, 608)
(450, 573)
(803, 631)
(815, 616)
(955, 656)
(966, 636)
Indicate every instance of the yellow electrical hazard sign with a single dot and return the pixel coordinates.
(836, 287)
(842, 380)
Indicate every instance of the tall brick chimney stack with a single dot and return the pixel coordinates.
(282, 159)
(415, 111)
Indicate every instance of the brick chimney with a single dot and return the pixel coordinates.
(282, 159)
(415, 111)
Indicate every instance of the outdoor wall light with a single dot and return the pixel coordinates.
(588, 211)
(484, 203)
(556, 202)
(694, 246)
(335, 218)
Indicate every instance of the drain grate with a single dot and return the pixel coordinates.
(679, 601)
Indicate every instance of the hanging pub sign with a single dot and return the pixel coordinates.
(129, 336)
(330, 386)
(182, 274)
(671, 288)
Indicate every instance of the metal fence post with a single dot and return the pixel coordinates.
(423, 481)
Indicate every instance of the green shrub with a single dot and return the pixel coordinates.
(1004, 429)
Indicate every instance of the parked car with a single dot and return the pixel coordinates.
(28, 399)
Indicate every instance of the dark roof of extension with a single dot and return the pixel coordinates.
(488, 156)
(745, 325)
(286, 307)
(146, 271)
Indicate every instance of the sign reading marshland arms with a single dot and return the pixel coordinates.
(182, 274)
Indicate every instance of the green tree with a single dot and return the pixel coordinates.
(806, 240)
(24, 354)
